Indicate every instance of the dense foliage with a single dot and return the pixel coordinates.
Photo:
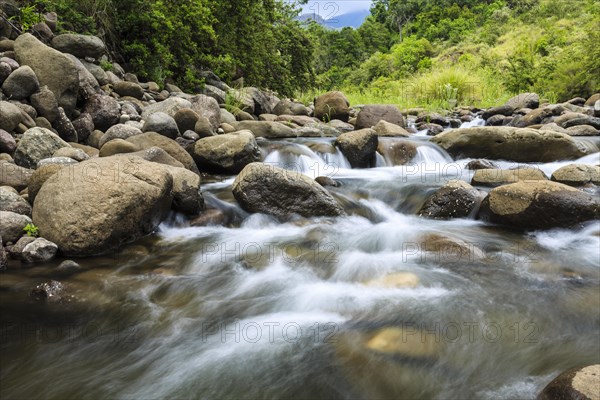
(476, 51)
(159, 39)
(408, 51)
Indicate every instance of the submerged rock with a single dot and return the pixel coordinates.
(456, 199)
(272, 190)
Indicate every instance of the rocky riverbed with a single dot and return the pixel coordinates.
(154, 244)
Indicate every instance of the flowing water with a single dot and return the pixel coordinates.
(352, 307)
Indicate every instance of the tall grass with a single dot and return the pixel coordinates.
(442, 88)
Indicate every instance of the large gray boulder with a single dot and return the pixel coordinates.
(371, 114)
(332, 105)
(523, 100)
(577, 174)
(45, 104)
(153, 139)
(11, 228)
(38, 251)
(228, 153)
(104, 110)
(8, 143)
(539, 205)
(359, 147)
(14, 176)
(266, 129)
(508, 143)
(169, 106)
(21, 84)
(52, 68)
(162, 123)
(208, 107)
(271, 190)
(10, 116)
(80, 46)
(456, 199)
(119, 131)
(35, 145)
(11, 201)
(104, 204)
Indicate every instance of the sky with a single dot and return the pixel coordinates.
(330, 8)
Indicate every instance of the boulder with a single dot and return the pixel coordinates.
(96, 70)
(132, 89)
(524, 100)
(39, 177)
(582, 383)
(103, 204)
(371, 114)
(577, 175)
(266, 129)
(117, 146)
(538, 205)
(169, 106)
(10, 116)
(52, 68)
(582, 130)
(104, 110)
(12, 225)
(45, 104)
(587, 120)
(456, 199)
(7, 142)
(119, 131)
(508, 143)
(16, 249)
(271, 190)
(14, 176)
(384, 128)
(62, 161)
(504, 110)
(88, 84)
(186, 119)
(153, 139)
(154, 154)
(288, 107)
(162, 123)
(397, 152)
(38, 251)
(80, 46)
(64, 127)
(480, 164)
(228, 153)
(592, 100)
(208, 107)
(37, 144)
(332, 105)
(84, 126)
(359, 147)
(11, 201)
(21, 84)
(497, 177)
(263, 102)
(75, 154)
(203, 128)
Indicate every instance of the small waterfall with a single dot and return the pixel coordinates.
(429, 153)
(300, 158)
(478, 121)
